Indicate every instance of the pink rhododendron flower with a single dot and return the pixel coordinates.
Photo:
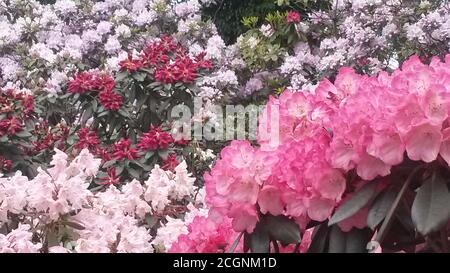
(423, 142)
(293, 17)
(206, 236)
(269, 200)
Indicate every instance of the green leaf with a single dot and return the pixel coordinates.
(163, 154)
(94, 105)
(74, 225)
(104, 113)
(132, 93)
(337, 241)
(140, 77)
(154, 85)
(380, 207)
(119, 169)
(354, 241)
(87, 114)
(53, 238)
(283, 229)
(354, 204)
(134, 173)
(143, 166)
(319, 239)
(124, 113)
(23, 134)
(149, 154)
(259, 241)
(109, 163)
(30, 124)
(121, 75)
(151, 220)
(247, 242)
(431, 207)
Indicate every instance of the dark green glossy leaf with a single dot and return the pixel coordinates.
(354, 241)
(355, 203)
(259, 241)
(87, 114)
(134, 173)
(74, 225)
(140, 77)
(380, 207)
(431, 207)
(109, 163)
(121, 75)
(23, 134)
(283, 229)
(319, 239)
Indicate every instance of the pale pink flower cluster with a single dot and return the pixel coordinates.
(19, 241)
(53, 192)
(364, 35)
(56, 38)
(107, 233)
(170, 231)
(164, 186)
(108, 221)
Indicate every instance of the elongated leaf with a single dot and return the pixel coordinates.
(247, 242)
(283, 229)
(431, 207)
(259, 241)
(87, 114)
(139, 76)
(134, 173)
(354, 204)
(357, 241)
(109, 163)
(354, 241)
(121, 75)
(380, 208)
(74, 225)
(23, 134)
(337, 243)
(319, 239)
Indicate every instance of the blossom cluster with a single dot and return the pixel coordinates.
(112, 220)
(369, 36)
(42, 45)
(361, 123)
(15, 109)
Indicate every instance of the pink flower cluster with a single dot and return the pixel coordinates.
(234, 184)
(374, 120)
(293, 17)
(19, 241)
(206, 236)
(358, 122)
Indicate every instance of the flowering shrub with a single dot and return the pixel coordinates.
(92, 160)
(56, 212)
(368, 36)
(130, 111)
(341, 149)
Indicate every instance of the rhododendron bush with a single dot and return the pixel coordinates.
(351, 153)
(355, 157)
(58, 209)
